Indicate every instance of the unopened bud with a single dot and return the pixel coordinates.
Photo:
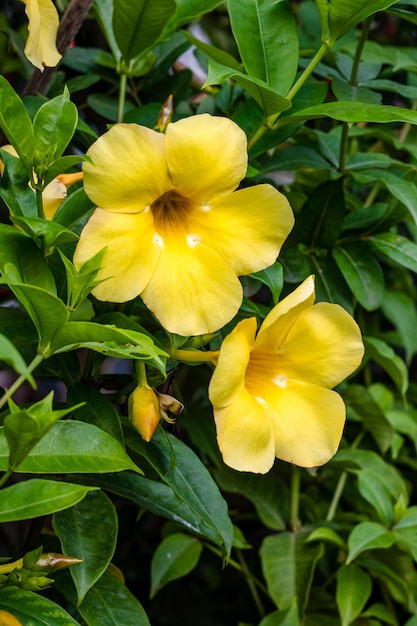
(165, 115)
(53, 561)
(169, 404)
(7, 619)
(144, 411)
(36, 583)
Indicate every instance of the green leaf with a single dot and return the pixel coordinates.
(175, 557)
(187, 11)
(266, 36)
(14, 187)
(324, 533)
(108, 340)
(362, 273)
(354, 587)
(372, 417)
(12, 357)
(373, 489)
(138, 25)
(368, 536)
(72, 446)
(399, 308)
(320, 219)
(397, 248)
(222, 57)
(286, 617)
(406, 531)
(180, 469)
(37, 497)
(273, 278)
(44, 232)
(16, 124)
(47, 312)
(53, 126)
(73, 209)
(77, 529)
(32, 609)
(110, 603)
(97, 410)
(270, 101)
(288, 564)
(385, 356)
(343, 15)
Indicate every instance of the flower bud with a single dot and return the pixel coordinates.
(169, 404)
(165, 115)
(144, 411)
(52, 562)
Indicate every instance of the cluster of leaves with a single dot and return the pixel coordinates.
(325, 91)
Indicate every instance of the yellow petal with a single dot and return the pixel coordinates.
(245, 435)
(40, 46)
(307, 421)
(246, 228)
(279, 320)
(206, 156)
(53, 196)
(128, 169)
(228, 378)
(7, 619)
(323, 346)
(192, 291)
(130, 257)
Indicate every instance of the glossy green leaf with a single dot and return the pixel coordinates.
(175, 557)
(37, 497)
(371, 415)
(354, 587)
(73, 209)
(138, 25)
(14, 188)
(399, 308)
(16, 124)
(77, 529)
(397, 248)
(295, 158)
(72, 446)
(406, 531)
(104, 11)
(270, 101)
(20, 251)
(181, 470)
(373, 489)
(286, 617)
(222, 57)
(326, 534)
(329, 283)
(288, 564)
(97, 410)
(187, 11)
(368, 536)
(384, 355)
(53, 126)
(403, 190)
(267, 40)
(108, 340)
(362, 273)
(44, 232)
(12, 357)
(33, 609)
(273, 278)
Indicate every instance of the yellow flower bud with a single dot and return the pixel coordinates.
(144, 411)
(7, 619)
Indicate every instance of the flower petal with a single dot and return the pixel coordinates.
(128, 169)
(323, 346)
(206, 156)
(130, 257)
(246, 228)
(53, 196)
(192, 290)
(307, 420)
(40, 46)
(279, 320)
(245, 435)
(229, 376)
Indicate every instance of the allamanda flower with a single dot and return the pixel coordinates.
(43, 25)
(271, 392)
(175, 230)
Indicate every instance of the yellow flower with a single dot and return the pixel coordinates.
(143, 408)
(43, 25)
(272, 392)
(175, 230)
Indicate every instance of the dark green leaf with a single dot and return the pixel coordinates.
(175, 557)
(97, 410)
(77, 529)
(44, 232)
(16, 123)
(14, 187)
(397, 248)
(354, 587)
(373, 419)
(362, 273)
(368, 536)
(272, 277)
(385, 356)
(75, 207)
(12, 357)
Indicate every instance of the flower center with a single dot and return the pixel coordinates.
(171, 210)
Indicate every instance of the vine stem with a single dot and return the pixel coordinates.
(295, 498)
(122, 96)
(19, 381)
(270, 121)
(252, 587)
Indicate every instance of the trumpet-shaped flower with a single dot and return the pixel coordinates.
(272, 392)
(175, 230)
(43, 25)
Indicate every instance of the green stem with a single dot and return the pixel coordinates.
(122, 96)
(372, 194)
(269, 122)
(237, 566)
(196, 356)
(39, 203)
(3, 479)
(252, 587)
(341, 484)
(141, 372)
(295, 498)
(19, 381)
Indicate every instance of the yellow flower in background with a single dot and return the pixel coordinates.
(43, 25)
(7, 619)
(175, 230)
(55, 192)
(271, 392)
